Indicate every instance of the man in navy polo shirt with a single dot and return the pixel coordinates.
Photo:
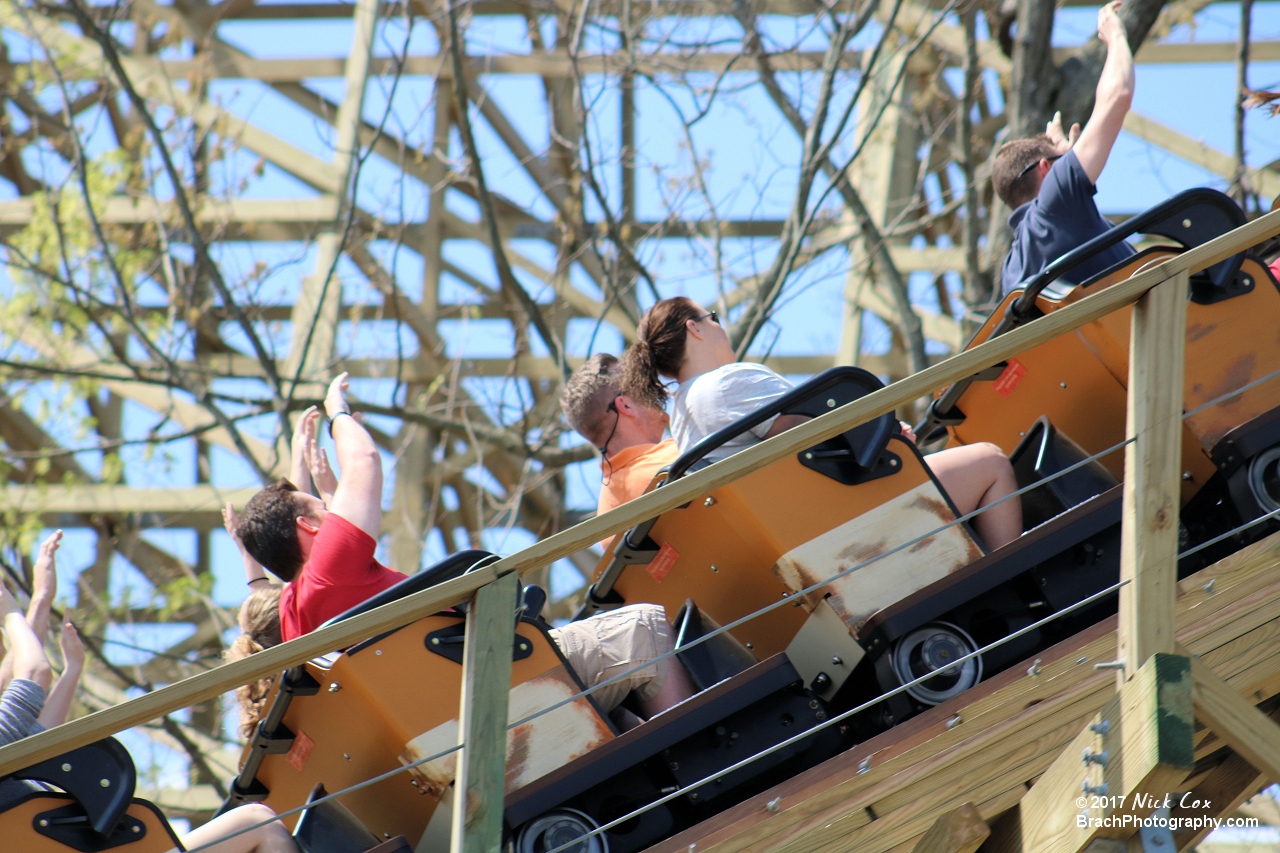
(1049, 180)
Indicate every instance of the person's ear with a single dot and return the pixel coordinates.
(308, 524)
(691, 327)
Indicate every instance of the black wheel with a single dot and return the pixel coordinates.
(558, 828)
(935, 648)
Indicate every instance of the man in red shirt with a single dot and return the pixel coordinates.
(324, 554)
(627, 432)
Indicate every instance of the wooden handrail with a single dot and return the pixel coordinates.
(207, 685)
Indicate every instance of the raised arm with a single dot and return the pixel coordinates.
(253, 571)
(358, 498)
(299, 473)
(58, 705)
(25, 649)
(322, 475)
(1114, 95)
(44, 589)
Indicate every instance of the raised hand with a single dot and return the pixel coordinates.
(72, 647)
(1062, 141)
(336, 399)
(321, 473)
(1110, 27)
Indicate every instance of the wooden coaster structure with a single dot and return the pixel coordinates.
(1180, 655)
(890, 177)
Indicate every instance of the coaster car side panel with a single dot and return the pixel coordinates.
(770, 534)
(378, 703)
(20, 827)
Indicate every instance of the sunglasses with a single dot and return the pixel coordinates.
(715, 317)
(1033, 164)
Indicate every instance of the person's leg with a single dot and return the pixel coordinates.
(272, 838)
(975, 476)
(618, 641)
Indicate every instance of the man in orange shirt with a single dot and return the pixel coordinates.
(627, 433)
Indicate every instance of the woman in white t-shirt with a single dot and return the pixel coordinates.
(679, 339)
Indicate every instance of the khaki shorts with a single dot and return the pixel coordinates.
(611, 643)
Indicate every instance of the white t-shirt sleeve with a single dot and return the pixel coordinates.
(747, 388)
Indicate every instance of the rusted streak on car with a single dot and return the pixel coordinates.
(534, 748)
(918, 513)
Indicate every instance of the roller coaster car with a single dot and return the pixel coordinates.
(83, 801)
(393, 701)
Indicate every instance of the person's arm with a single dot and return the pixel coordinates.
(253, 571)
(1114, 95)
(25, 648)
(299, 472)
(44, 588)
(358, 498)
(58, 705)
(321, 474)
(782, 423)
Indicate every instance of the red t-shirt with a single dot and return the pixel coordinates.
(340, 574)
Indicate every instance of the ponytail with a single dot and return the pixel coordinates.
(260, 622)
(658, 350)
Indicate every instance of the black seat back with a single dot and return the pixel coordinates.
(1044, 452)
(100, 776)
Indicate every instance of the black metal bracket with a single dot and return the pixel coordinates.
(70, 827)
(449, 643)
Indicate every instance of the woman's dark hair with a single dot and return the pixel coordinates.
(658, 350)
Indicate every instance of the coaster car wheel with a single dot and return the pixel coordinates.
(562, 830)
(934, 648)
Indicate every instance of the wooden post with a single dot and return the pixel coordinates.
(1149, 529)
(961, 830)
(486, 683)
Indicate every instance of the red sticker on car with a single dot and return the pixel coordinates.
(660, 566)
(1010, 377)
(301, 749)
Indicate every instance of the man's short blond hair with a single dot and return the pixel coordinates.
(586, 396)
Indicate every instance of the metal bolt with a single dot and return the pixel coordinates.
(675, 765)
(710, 501)
(1103, 728)
(772, 805)
(1209, 587)
(808, 456)
(334, 686)
(386, 835)
(106, 783)
(954, 721)
(1091, 757)
(435, 641)
(836, 661)
(1110, 664)
(44, 822)
(378, 652)
(1063, 385)
(1080, 661)
(1186, 223)
(864, 765)
(1086, 788)
(715, 568)
(1188, 476)
(414, 782)
(751, 645)
(66, 768)
(1034, 669)
(136, 828)
(786, 594)
(524, 647)
(813, 704)
(694, 795)
(346, 756)
(831, 404)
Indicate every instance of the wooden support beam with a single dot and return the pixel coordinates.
(482, 733)
(1149, 750)
(1214, 797)
(1152, 484)
(961, 830)
(1197, 153)
(1248, 731)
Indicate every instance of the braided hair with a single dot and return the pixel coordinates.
(658, 350)
(260, 622)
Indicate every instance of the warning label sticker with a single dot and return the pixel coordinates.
(662, 562)
(1009, 377)
(301, 749)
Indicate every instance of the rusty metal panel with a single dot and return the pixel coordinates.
(888, 579)
(534, 748)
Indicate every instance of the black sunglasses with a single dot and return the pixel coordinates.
(715, 317)
(1033, 164)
